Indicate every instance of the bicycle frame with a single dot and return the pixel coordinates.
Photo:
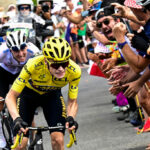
(38, 140)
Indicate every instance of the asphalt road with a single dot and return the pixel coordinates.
(98, 126)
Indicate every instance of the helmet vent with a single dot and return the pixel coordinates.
(8, 43)
(13, 39)
(48, 46)
(51, 53)
(62, 50)
(19, 38)
(56, 50)
(67, 44)
(45, 53)
(67, 53)
(54, 41)
(60, 40)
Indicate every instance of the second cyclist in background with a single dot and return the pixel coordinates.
(14, 54)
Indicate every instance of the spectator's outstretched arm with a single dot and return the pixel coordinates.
(85, 4)
(125, 12)
(137, 62)
(96, 33)
(70, 17)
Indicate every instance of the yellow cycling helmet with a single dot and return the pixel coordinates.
(57, 49)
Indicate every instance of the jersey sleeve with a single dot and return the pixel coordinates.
(3, 52)
(23, 77)
(73, 85)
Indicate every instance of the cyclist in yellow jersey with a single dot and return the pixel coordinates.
(39, 84)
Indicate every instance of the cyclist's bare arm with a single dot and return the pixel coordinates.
(72, 107)
(11, 103)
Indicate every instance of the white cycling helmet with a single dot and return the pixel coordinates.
(16, 40)
(143, 2)
(25, 2)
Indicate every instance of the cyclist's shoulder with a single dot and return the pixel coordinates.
(36, 61)
(74, 68)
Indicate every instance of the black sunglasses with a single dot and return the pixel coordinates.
(16, 49)
(26, 8)
(57, 65)
(106, 22)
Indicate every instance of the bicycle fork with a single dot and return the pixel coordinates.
(37, 142)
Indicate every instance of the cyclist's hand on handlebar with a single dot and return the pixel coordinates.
(20, 125)
(71, 124)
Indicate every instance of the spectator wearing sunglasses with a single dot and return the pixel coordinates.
(39, 84)
(13, 55)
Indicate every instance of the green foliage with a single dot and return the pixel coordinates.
(35, 2)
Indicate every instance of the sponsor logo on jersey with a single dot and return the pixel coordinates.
(26, 69)
(72, 68)
(62, 79)
(22, 80)
(43, 88)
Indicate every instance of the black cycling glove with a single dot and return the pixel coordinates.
(19, 123)
(72, 122)
(139, 43)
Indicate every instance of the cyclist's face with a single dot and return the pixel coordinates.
(20, 55)
(57, 70)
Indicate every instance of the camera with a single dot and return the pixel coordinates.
(45, 7)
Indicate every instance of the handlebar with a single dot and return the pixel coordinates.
(19, 137)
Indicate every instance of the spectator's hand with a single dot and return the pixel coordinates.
(108, 64)
(91, 26)
(119, 32)
(89, 19)
(123, 11)
(130, 36)
(93, 57)
(132, 88)
(115, 89)
(118, 72)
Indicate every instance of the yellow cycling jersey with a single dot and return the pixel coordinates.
(36, 76)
